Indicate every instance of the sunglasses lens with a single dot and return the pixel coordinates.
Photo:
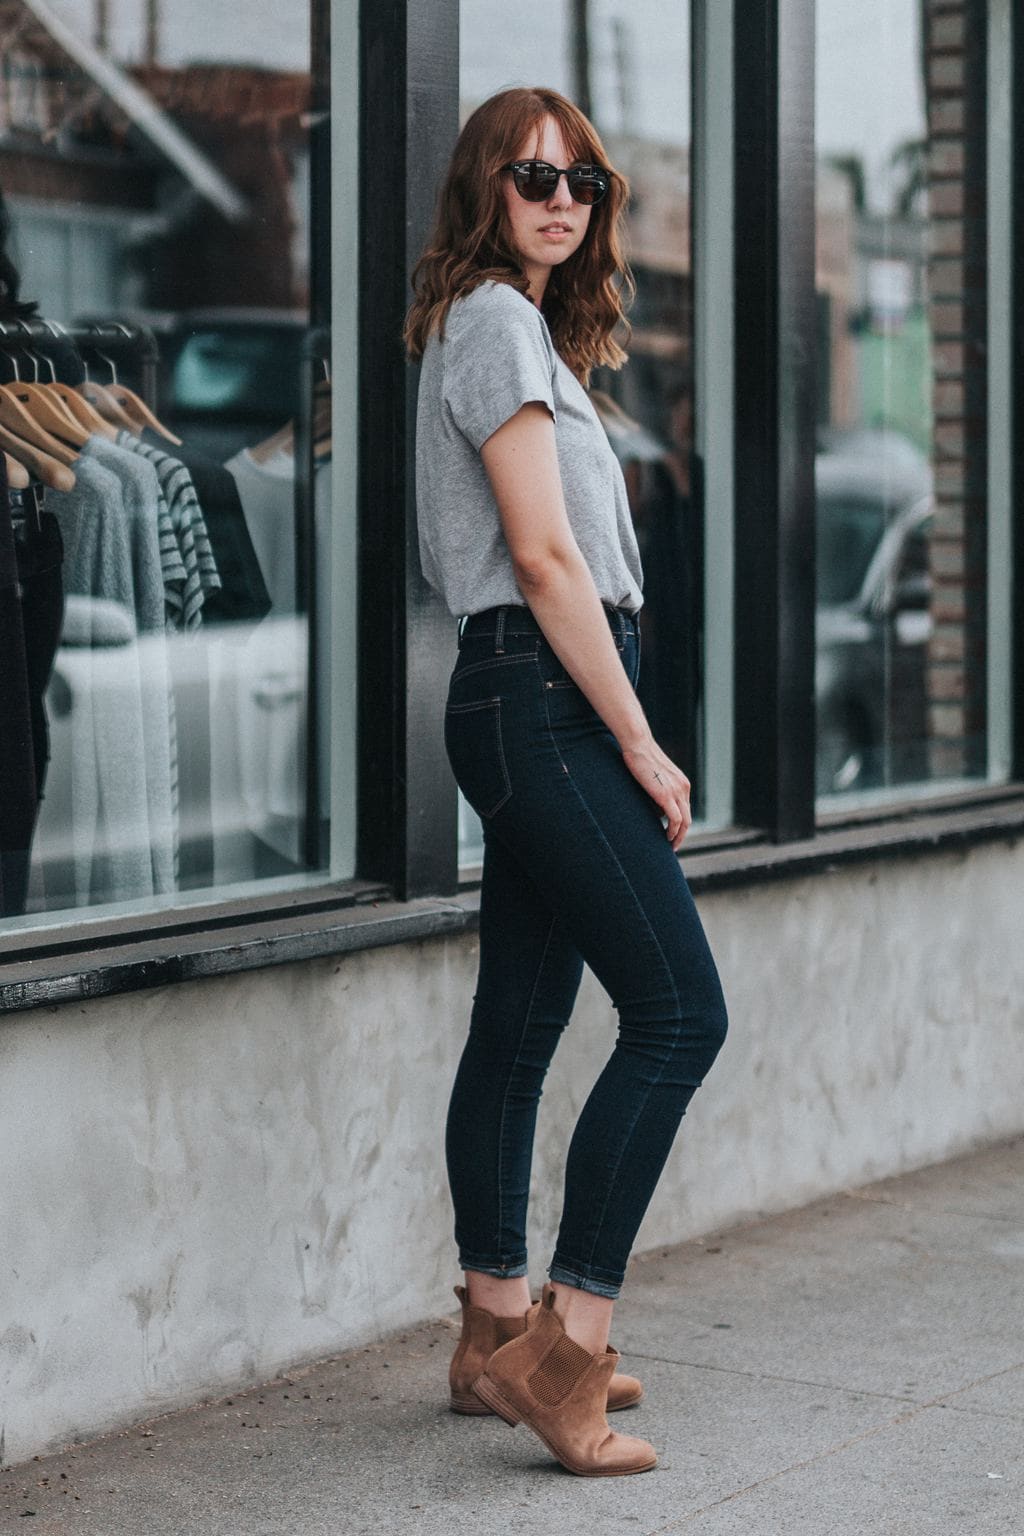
(535, 180)
(588, 185)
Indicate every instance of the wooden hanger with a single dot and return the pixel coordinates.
(33, 421)
(76, 405)
(50, 413)
(137, 408)
(100, 397)
(39, 463)
(25, 440)
(23, 425)
(283, 440)
(87, 415)
(17, 474)
(132, 404)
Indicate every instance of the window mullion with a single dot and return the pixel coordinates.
(409, 121)
(775, 353)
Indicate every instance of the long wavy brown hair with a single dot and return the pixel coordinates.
(471, 242)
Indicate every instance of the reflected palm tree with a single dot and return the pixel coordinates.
(909, 162)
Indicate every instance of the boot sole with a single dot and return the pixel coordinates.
(485, 1389)
(469, 1404)
(472, 1408)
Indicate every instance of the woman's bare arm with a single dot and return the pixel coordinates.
(521, 461)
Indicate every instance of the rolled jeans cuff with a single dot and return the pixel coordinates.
(596, 1285)
(514, 1270)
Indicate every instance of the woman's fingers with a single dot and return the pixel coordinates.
(679, 824)
(680, 816)
(667, 786)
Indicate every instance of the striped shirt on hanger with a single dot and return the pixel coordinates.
(189, 529)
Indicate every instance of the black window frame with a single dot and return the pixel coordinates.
(408, 885)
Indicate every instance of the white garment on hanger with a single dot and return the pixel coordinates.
(258, 696)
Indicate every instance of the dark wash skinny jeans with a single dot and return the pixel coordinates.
(577, 867)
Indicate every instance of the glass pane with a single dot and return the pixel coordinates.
(628, 67)
(173, 614)
(902, 472)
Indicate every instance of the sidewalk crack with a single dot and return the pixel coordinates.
(833, 1450)
(796, 1381)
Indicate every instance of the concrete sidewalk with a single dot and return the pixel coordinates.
(857, 1366)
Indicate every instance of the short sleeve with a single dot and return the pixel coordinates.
(497, 358)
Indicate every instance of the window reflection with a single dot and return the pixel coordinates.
(901, 469)
(155, 165)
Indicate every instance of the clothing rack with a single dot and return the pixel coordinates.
(120, 342)
(135, 348)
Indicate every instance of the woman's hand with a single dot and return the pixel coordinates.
(666, 784)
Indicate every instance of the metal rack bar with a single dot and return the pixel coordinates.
(122, 340)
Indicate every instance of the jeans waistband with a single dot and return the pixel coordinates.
(517, 619)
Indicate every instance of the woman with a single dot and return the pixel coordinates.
(524, 528)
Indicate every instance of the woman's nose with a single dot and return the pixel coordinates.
(561, 197)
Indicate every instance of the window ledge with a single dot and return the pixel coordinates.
(919, 829)
(69, 975)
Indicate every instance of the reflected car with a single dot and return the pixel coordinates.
(227, 377)
(875, 503)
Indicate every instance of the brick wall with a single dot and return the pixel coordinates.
(954, 40)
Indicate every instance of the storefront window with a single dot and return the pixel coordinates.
(628, 67)
(166, 579)
(903, 472)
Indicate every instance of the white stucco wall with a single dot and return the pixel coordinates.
(204, 1184)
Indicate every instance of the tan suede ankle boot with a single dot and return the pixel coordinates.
(482, 1334)
(544, 1379)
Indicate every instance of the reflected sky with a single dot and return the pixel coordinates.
(272, 33)
(640, 59)
(869, 95)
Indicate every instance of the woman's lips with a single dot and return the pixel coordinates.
(557, 232)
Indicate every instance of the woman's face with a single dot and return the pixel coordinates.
(545, 234)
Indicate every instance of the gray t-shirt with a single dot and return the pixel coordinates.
(497, 355)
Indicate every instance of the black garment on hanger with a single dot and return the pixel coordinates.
(243, 593)
(31, 612)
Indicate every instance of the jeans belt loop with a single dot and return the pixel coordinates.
(499, 631)
(616, 622)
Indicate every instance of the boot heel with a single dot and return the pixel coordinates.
(468, 1403)
(494, 1400)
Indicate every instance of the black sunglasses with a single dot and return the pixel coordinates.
(536, 180)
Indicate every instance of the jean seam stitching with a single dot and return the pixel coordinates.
(497, 660)
(506, 776)
(474, 704)
(629, 886)
(492, 706)
(508, 1082)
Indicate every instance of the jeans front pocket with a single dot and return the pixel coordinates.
(472, 738)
